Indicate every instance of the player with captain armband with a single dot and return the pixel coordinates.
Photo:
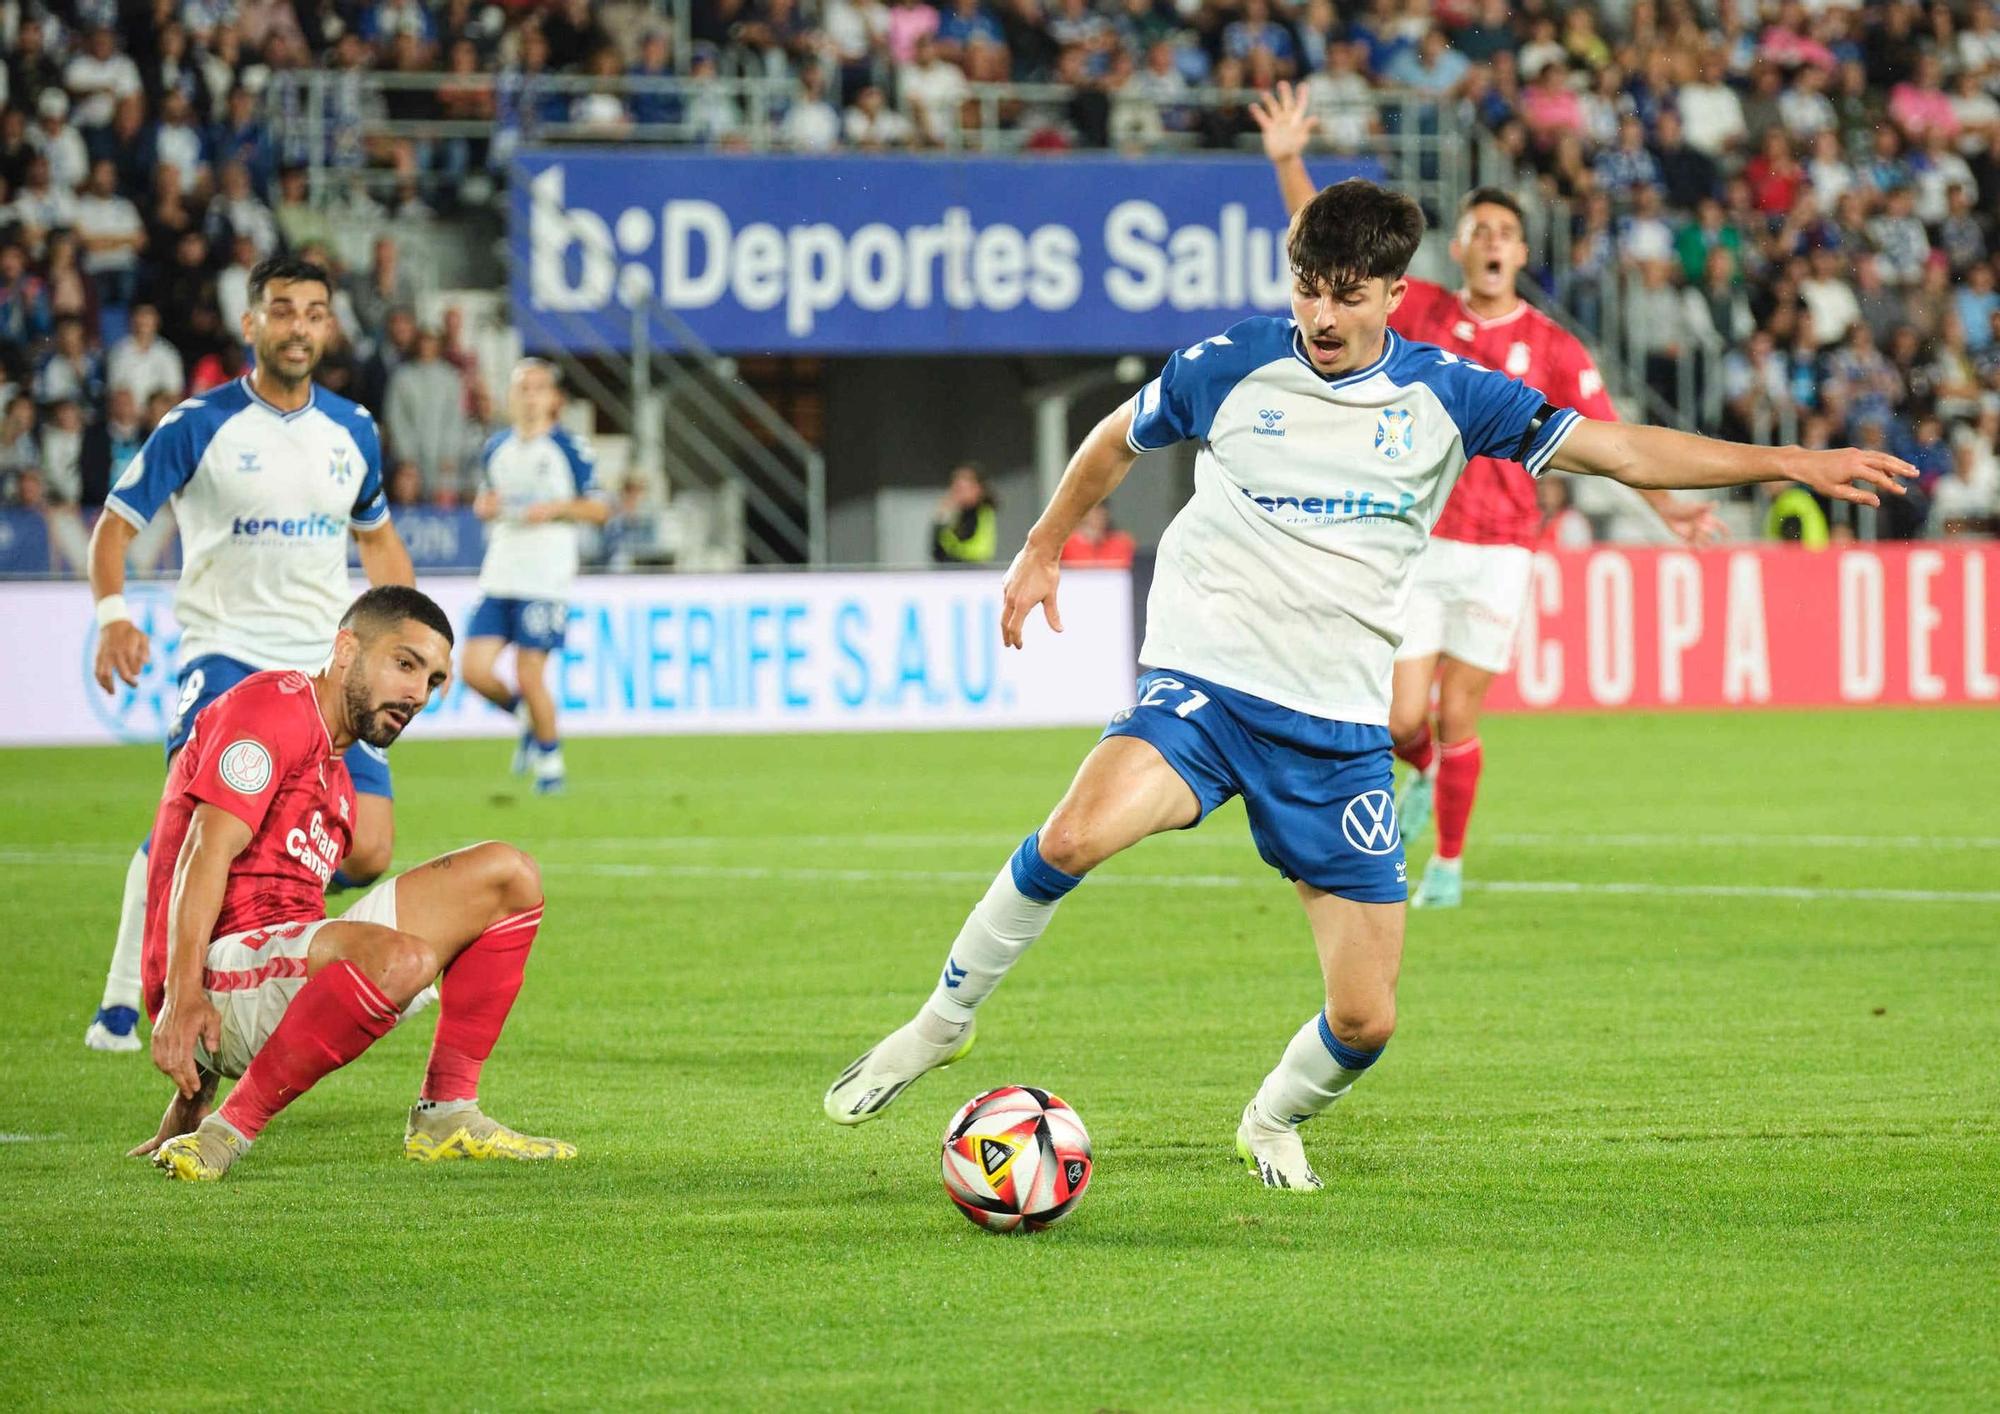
(540, 490)
(268, 475)
(1327, 447)
(1471, 585)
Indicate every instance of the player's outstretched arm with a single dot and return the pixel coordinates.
(122, 646)
(201, 871)
(1287, 127)
(1660, 458)
(1093, 473)
(385, 559)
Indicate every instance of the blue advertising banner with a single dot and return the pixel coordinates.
(438, 539)
(861, 255)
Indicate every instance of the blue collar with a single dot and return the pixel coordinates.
(312, 393)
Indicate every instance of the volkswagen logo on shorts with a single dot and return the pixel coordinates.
(140, 713)
(1369, 822)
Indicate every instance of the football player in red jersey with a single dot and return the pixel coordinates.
(245, 975)
(1471, 585)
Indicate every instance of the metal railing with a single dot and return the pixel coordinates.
(345, 126)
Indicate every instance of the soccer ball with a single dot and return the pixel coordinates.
(1016, 1158)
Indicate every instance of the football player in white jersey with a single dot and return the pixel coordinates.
(268, 475)
(540, 489)
(1328, 446)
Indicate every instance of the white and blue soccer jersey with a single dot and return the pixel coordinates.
(534, 562)
(1287, 575)
(264, 500)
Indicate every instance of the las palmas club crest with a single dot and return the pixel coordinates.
(1396, 433)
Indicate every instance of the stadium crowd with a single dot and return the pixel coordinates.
(1810, 186)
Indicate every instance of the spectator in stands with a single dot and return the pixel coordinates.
(25, 317)
(62, 453)
(406, 483)
(40, 207)
(178, 142)
(811, 124)
(176, 69)
(70, 372)
(1664, 325)
(184, 293)
(574, 33)
(1975, 303)
(1881, 309)
(1629, 165)
(631, 538)
(59, 142)
(1563, 525)
(242, 136)
(425, 412)
(301, 222)
(713, 116)
(1097, 543)
(932, 90)
(112, 235)
(142, 362)
(1711, 111)
(1900, 239)
(872, 125)
(385, 287)
(31, 66)
(128, 143)
(109, 445)
(20, 448)
(1687, 174)
(601, 113)
(967, 527)
(396, 345)
(1344, 99)
(1966, 501)
(965, 23)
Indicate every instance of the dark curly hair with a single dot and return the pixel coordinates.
(1351, 232)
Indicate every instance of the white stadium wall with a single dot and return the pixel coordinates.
(669, 654)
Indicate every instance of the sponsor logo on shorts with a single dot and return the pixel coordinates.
(1369, 822)
(245, 766)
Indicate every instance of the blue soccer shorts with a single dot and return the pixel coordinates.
(1318, 792)
(206, 678)
(537, 625)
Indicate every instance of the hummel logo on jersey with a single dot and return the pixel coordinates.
(1271, 418)
(247, 461)
(1396, 433)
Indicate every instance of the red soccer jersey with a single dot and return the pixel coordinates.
(261, 751)
(1494, 501)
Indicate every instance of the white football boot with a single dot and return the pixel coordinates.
(869, 1086)
(1275, 1155)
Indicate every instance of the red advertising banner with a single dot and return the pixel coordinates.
(1773, 626)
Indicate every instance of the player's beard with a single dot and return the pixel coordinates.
(275, 371)
(374, 724)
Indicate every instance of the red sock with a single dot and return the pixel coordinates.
(475, 995)
(1457, 783)
(1417, 751)
(334, 1018)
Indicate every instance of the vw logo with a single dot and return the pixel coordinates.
(1369, 822)
(140, 713)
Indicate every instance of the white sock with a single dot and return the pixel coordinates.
(1315, 1071)
(548, 761)
(121, 983)
(445, 1107)
(999, 929)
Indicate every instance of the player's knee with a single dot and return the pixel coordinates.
(1072, 842)
(1406, 724)
(511, 873)
(401, 964)
(1364, 1023)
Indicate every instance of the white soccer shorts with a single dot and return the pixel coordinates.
(252, 977)
(1466, 603)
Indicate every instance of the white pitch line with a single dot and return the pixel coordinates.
(28, 1138)
(1236, 839)
(955, 877)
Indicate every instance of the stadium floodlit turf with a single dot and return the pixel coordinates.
(1694, 1105)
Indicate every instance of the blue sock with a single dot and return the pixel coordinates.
(1346, 1055)
(341, 881)
(1035, 877)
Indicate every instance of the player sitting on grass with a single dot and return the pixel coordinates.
(245, 975)
(1328, 446)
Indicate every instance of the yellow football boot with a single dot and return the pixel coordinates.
(203, 1156)
(439, 1134)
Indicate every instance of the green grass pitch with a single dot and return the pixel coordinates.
(1696, 1107)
